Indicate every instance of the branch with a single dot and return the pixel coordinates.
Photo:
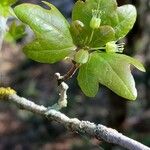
(99, 131)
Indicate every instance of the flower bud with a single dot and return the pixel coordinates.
(81, 56)
(95, 22)
(111, 47)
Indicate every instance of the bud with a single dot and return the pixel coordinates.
(112, 47)
(95, 22)
(81, 56)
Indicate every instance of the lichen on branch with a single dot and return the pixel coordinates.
(6, 92)
(88, 128)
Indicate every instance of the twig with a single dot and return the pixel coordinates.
(69, 74)
(99, 131)
(62, 88)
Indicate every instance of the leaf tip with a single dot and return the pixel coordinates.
(143, 69)
(133, 95)
(133, 98)
(140, 66)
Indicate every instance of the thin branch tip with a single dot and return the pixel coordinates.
(62, 88)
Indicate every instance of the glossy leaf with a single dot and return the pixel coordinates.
(127, 16)
(102, 35)
(111, 70)
(83, 11)
(136, 63)
(52, 32)
(87, 79)
(121, 18)
(41, 51)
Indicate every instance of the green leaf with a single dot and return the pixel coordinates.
(83, 11)
(111, 70)
(102, 35)
(136, 63)
(4, 11)
(15, 32)
(41, 51)
(121, 18)
(52, 32)
(7, 2)
(127, 16)
(87, 79)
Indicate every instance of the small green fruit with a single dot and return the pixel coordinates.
(81, 56)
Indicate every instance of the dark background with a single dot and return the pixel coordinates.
(21, 130)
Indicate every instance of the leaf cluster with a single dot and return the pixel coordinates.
(89, 40)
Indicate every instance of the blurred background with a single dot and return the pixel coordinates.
(21, 130)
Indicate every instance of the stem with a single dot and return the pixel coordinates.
(98, 7)
(91, 37)
(97, 48)
(69, 74)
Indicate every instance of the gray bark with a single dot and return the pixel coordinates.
(99, 131)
